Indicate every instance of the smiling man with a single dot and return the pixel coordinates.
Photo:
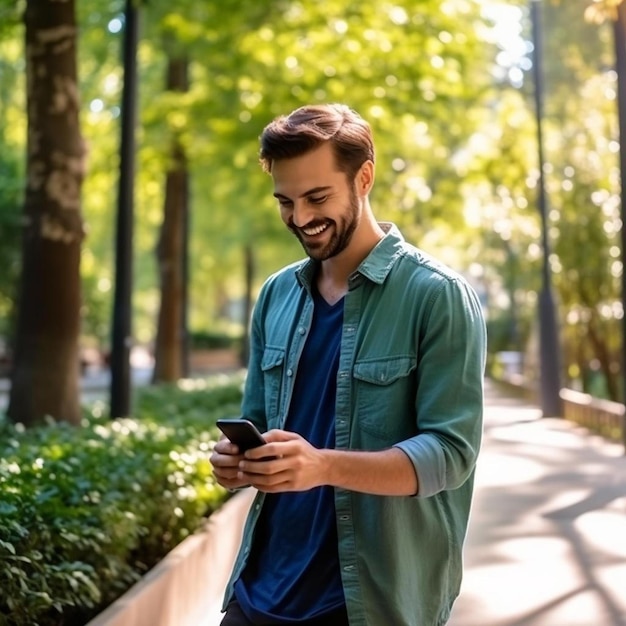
(365, 373)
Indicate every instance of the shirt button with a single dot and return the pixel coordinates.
(344, 518)
(301, 330)
(289, 372)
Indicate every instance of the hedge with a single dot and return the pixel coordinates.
(86, 511)
(207, 340)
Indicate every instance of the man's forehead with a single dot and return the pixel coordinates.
(298, 175)
(322, 157)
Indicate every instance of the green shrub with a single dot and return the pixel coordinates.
(85, 512)
(206, 340)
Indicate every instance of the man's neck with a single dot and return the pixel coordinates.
(332, 279)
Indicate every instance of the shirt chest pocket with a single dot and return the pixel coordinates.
(385, 398)
(272, 365)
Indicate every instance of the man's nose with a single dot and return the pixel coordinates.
(302, 213)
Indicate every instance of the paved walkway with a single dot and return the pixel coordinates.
(95, 382)
(547, 540)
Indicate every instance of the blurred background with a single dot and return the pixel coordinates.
(136, 227)
(450, 88)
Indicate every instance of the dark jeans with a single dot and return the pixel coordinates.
(235, 617)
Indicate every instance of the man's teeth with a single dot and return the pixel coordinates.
(315, 231)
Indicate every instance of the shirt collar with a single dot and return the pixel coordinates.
(375, 267)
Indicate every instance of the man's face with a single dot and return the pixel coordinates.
(317, 202)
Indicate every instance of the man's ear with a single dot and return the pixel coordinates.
(364, 180)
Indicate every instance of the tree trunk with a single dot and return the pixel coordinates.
(247, 304)
(171, 252)
(603, 354)
(46, 368)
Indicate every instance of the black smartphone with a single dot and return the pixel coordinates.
(241, 432)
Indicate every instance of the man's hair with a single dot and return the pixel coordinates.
(307, 128)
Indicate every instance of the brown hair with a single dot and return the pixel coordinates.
(308, 127)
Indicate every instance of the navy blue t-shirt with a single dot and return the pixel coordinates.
(293, 571)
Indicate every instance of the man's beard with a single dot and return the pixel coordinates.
(343, 230)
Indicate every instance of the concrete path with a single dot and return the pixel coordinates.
(547, 540)
(95, 382)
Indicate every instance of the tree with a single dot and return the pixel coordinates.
(46, 367)
(419, 74)
(366, 54)
(185, 38)
(582, 185)
(583, 216)
(170, 354)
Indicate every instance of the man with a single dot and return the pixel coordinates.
(366, 373)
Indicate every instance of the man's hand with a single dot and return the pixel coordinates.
(225, 461)
(297, 465)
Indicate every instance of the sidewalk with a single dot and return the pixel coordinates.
(547, 538)
(94, 385)
(95, 382)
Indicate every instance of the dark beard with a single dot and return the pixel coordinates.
(339, 241)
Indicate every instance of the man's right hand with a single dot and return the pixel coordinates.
(225, 461)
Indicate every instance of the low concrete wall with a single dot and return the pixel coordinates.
(186, 587)
(600, 416)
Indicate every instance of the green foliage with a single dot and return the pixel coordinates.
(207, 340)
(456, 162)
(10, 16)
(11, 175)
(582, 186)
(582, 183)
(84, 512)
(10, 235)
(413, 71)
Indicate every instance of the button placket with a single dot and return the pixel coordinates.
(295, 352)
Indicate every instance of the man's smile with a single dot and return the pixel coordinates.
(312, 231)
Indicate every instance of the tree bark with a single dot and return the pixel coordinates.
(46, 368)
(170, 350)
(247, 303)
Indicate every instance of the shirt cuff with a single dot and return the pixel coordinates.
(428, 459)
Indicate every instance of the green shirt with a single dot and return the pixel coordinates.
(410, 375)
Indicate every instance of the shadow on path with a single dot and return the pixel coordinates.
(547, 538)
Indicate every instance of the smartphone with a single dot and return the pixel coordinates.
(241, 432)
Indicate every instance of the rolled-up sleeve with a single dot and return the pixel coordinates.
(449, 399)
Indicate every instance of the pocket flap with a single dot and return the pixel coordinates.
(272, 357)
(384, 371)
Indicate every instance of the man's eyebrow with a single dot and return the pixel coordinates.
(309, 192)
